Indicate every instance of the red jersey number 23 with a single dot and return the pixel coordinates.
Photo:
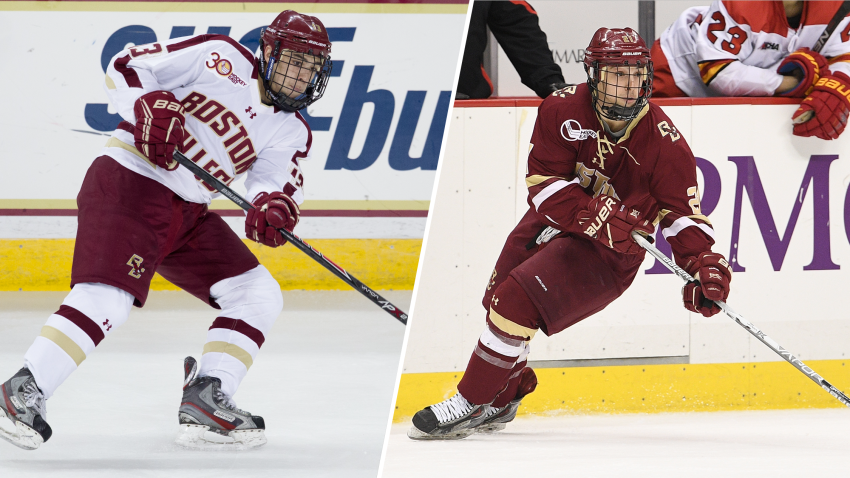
(738, 36)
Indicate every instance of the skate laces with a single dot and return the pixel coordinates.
(492, 411)
(35, 399)
(453, 408)
(225, 401)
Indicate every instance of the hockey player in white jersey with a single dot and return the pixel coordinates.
(757, 48)
(139, 213)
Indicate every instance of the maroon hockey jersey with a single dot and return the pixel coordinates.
(650, 168)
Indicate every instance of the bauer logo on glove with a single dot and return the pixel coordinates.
(611, 222)
(824, 112)
(604, 209)
(159, 127)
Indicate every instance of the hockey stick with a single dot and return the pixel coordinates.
(842, 12)
(788, 356)
(295, 240)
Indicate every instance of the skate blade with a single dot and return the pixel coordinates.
(490, 428)
(416, 434)
(23, 436)
(199, 437)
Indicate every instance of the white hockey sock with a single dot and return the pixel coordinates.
(250, 303)
(489, 341)
(87, 315)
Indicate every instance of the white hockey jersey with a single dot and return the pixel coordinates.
(733, 48)
(230, 132)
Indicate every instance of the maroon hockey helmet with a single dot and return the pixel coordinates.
(294, 40)
(618, 47)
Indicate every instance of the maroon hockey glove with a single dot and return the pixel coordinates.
(271, 212)
(610, 222)
(807, 65)
(824, 112)
(159, 127)
(713, 274)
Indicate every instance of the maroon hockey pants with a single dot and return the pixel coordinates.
(550, 288)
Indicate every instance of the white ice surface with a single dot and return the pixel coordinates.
(754, 444)
(323, 381)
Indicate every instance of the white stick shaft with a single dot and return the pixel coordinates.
(788, 356)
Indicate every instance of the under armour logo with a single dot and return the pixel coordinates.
(107, 325)
(495, 301)
(250, 113)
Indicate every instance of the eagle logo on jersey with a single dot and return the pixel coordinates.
(574, 131)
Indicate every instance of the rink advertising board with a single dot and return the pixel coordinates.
(376, 133)
(780, 207)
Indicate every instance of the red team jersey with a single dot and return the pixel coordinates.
(651, 168)
(732, 48)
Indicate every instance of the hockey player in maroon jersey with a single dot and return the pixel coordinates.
(139, 213)
(602, 162)
(758, 48)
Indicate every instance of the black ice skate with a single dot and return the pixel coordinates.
(209, 420)
(450, 419)
(23, 403)
(496, 418)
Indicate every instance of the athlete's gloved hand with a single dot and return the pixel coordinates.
(713, 274)
(610, 222)
(271, 212)
(824, 112)
(159, 127)
(808, 66)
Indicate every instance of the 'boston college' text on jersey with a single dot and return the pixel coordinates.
(229, 131)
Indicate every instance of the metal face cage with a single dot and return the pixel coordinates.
(293, 80)
(615, 97)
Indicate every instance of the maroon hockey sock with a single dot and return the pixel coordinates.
(516, 305)
(486, 374)
(491, 367)
(509, 393)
